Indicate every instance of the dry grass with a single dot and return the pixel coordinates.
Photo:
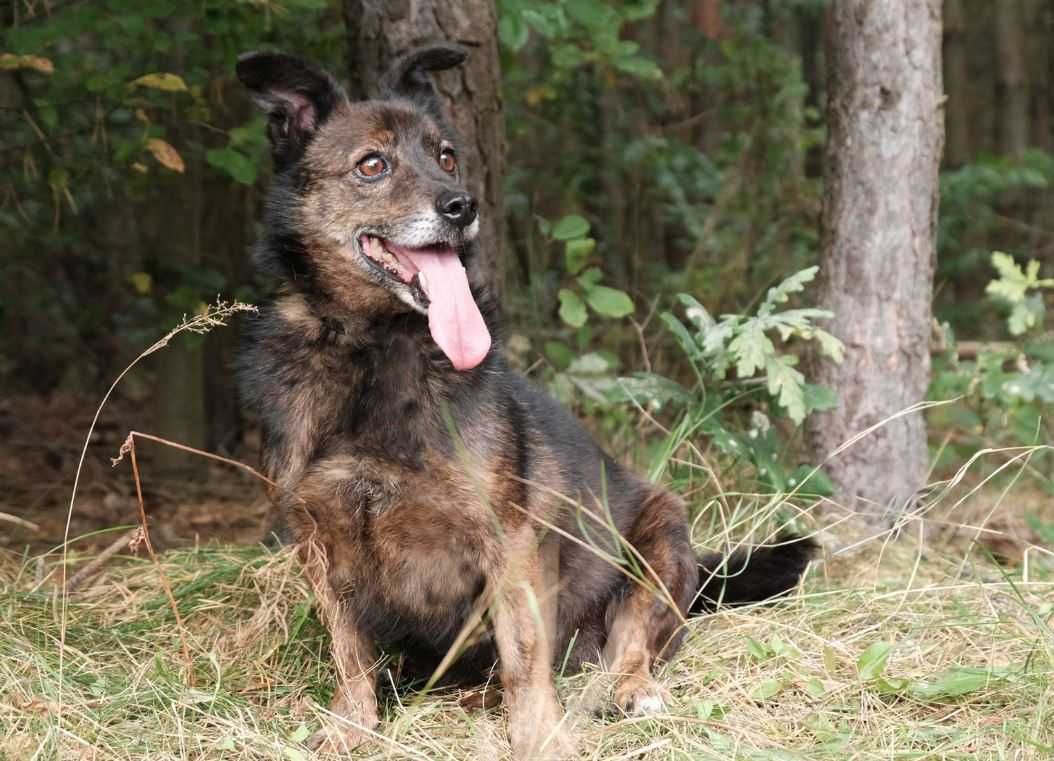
(967, 673)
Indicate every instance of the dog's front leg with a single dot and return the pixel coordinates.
(524, 629)
(354, 704)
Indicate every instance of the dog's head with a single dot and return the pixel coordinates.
(368, 204)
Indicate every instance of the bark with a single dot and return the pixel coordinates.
(886, 132)
(379, 32)
(1013, 76)
(706, 16)
(1039, 26)
(179, 386)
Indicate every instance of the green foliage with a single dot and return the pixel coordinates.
(126, 117)
(580, 32)
(743, 341)
(1021, 290)
(1008, 387)
(584, 286)
(977, 214)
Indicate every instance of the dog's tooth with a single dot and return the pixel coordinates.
(421, 281)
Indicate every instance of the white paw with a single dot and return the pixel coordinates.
(648, 705)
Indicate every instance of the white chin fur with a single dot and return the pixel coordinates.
(472, 230)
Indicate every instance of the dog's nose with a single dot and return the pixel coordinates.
(457, 207)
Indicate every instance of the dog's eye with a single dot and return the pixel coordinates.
(372, 166)
(447, 160)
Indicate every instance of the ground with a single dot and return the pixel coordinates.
(919, 648)
(898, 651)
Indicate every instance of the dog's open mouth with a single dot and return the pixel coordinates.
(438, 283)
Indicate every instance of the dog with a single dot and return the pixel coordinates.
(444, 508)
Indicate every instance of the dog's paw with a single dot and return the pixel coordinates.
(337, 740)
(541, 734)
(640, 697)
(552, 744)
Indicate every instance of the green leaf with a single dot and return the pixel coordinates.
(808, 480)
(161, 81)
(751, 348)
(609, 302)
(571, 226)
(649, 389)
(814, 688)
(592, 363)
(567, 56)
(872, 662)
(889, 686)
(639, 66)
(559, 354)
(757, 650)
(576, 254)
(788, 386)
(696, 313)
(572, 310)
(680, 332)
(590, 278)
(779, 294)
(590, 13)
(953, 683)
(767, 690)
(778, 647)
(708, 710)
(233, 163)
(513, 31)
(1012, 282)
(1026, 314)
(829, 345)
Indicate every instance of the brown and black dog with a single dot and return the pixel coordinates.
(441, 503)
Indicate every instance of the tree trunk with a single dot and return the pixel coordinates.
(885, 134)
(958, 84)
(379, 32)
(179, 386)
(1013, 76)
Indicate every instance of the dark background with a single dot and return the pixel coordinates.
(688, 134)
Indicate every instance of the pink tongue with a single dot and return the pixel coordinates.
(453, 317)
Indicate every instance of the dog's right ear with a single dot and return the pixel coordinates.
(297, 97)
(408, 76)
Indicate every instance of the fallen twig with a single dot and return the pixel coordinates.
(19, 521)
(88, 573)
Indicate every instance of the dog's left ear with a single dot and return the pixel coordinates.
(408, 75)
(297, 97)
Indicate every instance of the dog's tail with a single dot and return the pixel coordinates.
(752, 575)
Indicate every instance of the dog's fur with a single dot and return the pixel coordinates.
(437, 508)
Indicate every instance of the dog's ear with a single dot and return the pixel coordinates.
(408, 75)
(297, 97)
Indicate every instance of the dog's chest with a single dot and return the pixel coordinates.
(416, 544)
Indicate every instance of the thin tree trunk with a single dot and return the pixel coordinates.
(958, 85)
(378, 32)
(886, 131)
(1013, 76)
(179, 386)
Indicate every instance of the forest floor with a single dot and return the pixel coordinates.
(914, 649)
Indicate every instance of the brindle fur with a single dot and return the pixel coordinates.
(425, 499)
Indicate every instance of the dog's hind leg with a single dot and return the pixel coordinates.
(646, 622)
